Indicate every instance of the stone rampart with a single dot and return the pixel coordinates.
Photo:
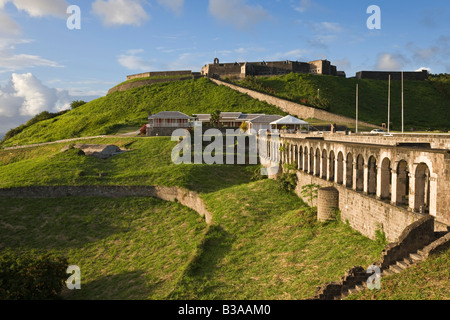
(185, 197)
(136, 84)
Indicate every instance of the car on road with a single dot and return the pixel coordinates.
(378, 131)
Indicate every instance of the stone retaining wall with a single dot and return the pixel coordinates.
(185, 197)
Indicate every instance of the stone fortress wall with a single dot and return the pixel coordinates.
(395, 75)
(242, 69)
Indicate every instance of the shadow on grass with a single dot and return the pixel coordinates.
(195, 281)
(205, 178)
(124, 286)
(60, 223)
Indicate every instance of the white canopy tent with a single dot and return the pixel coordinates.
(290, 122)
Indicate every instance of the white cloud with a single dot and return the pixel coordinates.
(120, 12)
(238, 13)
(10, 61)
(174, 5)
(424, 68)
(39, 8)
(390, 62)
(132, 61)
(7, 25)
(26, 95)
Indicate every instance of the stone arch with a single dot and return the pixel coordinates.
(422, 189)
(340, 168)
(360, 173)
(216, 61)
(332, 160)
(349, 175)
(372, 176)
(317, 162)
(386, 179)
(311, 160)
(402, 183)
(324, 164)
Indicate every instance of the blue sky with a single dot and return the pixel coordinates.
(44, 65)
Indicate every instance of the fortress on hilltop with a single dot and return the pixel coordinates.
(268, 68)
(239, 70)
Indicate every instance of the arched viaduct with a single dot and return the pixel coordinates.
(388, 186)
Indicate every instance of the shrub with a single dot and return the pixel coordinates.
(288, 179)
(75, 104)
(31, 276)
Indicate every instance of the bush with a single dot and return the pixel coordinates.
(288, 179)
(31, 276)
(75, 104)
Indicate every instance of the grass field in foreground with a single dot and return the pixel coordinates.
(132, 248)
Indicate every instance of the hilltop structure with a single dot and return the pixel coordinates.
(271, 68)
(395, 75)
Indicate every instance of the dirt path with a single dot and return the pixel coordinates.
(125, 135)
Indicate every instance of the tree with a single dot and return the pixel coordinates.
(77, 103)
(215, 118)
(244, 126)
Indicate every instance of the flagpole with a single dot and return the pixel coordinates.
(357, 106)
(403, 103)
(389, 106)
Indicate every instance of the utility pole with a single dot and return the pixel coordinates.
(389, 106)
(403, 103)
(357, 106)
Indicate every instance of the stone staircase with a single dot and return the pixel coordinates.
(355, 280)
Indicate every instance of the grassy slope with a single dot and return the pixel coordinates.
(108, 114)
(425, 105)
(132, 248)
(147, 163)
(429, 280)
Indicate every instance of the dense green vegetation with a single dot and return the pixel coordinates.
(109, 114)
(427, 103)
(429, 280)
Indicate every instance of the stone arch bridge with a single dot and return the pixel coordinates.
(383, 182)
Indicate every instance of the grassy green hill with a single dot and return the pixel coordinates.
(427, 103)
(109, 114)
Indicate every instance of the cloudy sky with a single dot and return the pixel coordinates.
(44, 65)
